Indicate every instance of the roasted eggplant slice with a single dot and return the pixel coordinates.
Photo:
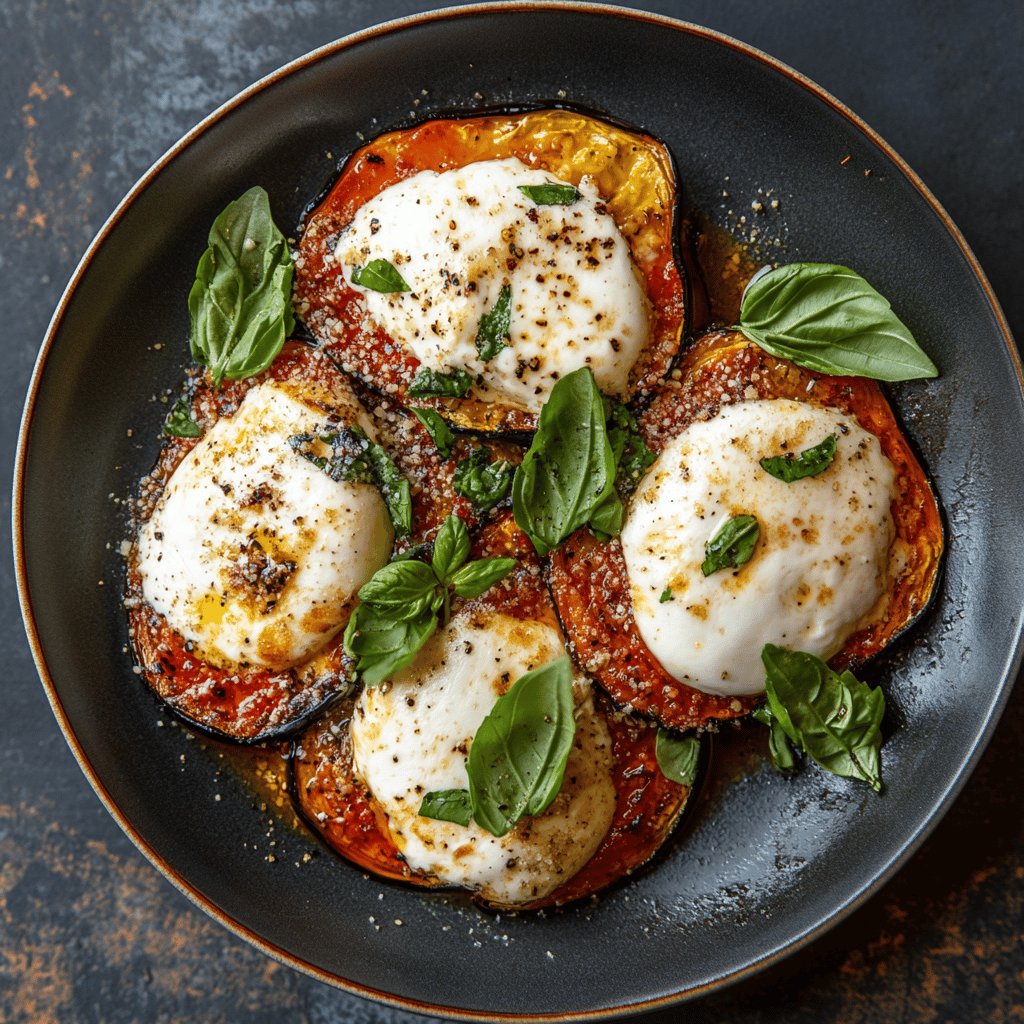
(432, 469)
(631, 172)
(589, 578)
(337, 805)
(258, 698)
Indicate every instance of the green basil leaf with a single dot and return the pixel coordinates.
(827, 318)
(833, 717)
(473, 579)
(381, 645)
(394, 488)
(632, 456)
(402, 590)
(483, 482)
(240, 306)
(550, 194)
(379, 276)
(678, 756)
(569, 471)
(810, 462)
(447, 805)
(341, 453)
(439, 431)
(451, 548)
(666, 595)
(518, 756)
(435, 384)
(779, 746)
(732, 545)
(493, 333)
(179, 422)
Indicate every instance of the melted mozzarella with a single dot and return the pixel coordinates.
(821, 565)
(457, 237)
(412, 737)
(253, 553)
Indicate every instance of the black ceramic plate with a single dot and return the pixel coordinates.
(764, 864)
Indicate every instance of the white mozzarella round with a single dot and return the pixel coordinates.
(457, 237)
(412, 736)
(253, 553)
(821, 565)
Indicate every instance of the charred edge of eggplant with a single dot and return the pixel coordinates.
(636, 402)
(929, 608)
(457, 113)
(666, 848)
(403, 885)
(571, 645)
(278, 734)
(364, 388)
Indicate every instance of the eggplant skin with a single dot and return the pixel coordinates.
(337, 807)
(632, 170)
(589, 581)
(244, 704)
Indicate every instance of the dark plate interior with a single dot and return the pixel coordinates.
(764, 863)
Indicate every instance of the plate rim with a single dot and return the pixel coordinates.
(308, 59)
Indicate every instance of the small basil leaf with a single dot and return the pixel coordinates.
(550, 194)
(447, 805)
(632, 456)
(666, 595)
(473, 579)
(518, 756)
(402, 590)
(394, 488)
(341, 453)
(493, 333)
(380, 645)
(810, 462)
(779, 746)
(732, 544)
(569, 471)
(483, 482)
(833, 717)
(451, 548)
(434, 384)
(678, 756)
(179, 422)
(379, 276)
(439, 431)
(240, 306)
(829, 319)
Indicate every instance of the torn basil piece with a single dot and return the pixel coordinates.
(551, 194)
(438, 384)
(810, 462)
(448, 805)
(732, 544)
(379, 276)
(493, 333)
(439, 431)
(179, 422)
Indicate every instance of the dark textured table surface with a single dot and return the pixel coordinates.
(91, 92)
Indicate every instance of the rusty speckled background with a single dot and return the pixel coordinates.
(91, 92)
